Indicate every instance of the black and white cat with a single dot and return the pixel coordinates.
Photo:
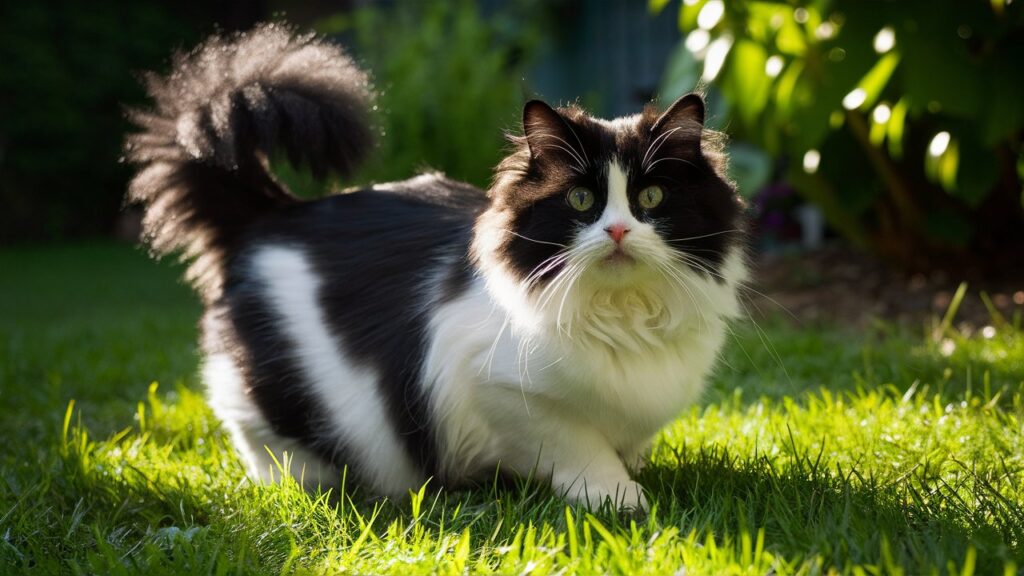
(425, 329)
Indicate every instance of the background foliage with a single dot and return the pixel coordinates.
(794, 77)
(902, 120)
(449, 80)
(67, 71)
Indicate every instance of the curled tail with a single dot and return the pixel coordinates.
(224, 108)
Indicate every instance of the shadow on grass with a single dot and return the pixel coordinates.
(112, 509)
(808, 509)
(86, 514)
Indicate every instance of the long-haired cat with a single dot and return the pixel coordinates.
(425, 329)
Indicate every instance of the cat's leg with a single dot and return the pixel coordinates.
(271, 458)
(582, 465)
(585, 469)
(636, 456)
(268, 457)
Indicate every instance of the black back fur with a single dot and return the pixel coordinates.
(379, 253)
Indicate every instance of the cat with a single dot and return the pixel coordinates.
(425, 329)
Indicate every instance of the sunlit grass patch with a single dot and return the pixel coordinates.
(861, 453)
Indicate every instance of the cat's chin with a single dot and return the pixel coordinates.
(618, 259)
(621, 269)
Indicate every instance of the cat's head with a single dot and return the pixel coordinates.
(637, 202)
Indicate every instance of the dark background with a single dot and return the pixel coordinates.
(453, 75)
(71, 69)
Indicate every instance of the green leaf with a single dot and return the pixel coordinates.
(745, 80)
(1003, 113)
(688, 15)
(785, 88)
(763, 19)
(749, 167)
(682, 73)
(941, 73)
(978, 169)
(948, 164)
(656, 6)
(877, 133)
(791, 39)
(876, 79)
(897, 122)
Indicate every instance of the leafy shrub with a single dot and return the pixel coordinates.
(449, 81)
(902, 120)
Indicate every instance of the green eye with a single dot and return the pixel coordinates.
(580, 198)
(651, 197)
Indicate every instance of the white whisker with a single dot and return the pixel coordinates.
(578, 141)
(544, 267)
(704, 266)
(704, 235)
(649, 155)
(561, 305)
(768, 344)
(489, 361)
(660, 160)
(672, 276)
(576, 155)
(533, 240)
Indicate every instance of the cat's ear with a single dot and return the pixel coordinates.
(545, 129)
(687, 111)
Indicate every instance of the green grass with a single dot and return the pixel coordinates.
(817, 450)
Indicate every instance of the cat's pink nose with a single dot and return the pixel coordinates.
(617, 232)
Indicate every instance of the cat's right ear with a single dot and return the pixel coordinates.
(688, 110)
(543, 128)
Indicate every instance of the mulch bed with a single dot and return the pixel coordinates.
(839, 285)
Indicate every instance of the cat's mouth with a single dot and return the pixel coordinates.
(619, 257)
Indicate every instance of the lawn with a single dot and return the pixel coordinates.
(817, 450)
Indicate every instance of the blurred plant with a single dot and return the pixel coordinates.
(449, 80)
(68, 70)
(902, 120)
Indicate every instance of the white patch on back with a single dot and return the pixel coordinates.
(346, 391)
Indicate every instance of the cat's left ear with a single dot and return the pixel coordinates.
(545, 130)
(687, 111)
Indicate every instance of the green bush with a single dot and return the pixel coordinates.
(902, 120)
(449, 81)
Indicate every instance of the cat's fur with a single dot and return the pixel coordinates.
(425, 329)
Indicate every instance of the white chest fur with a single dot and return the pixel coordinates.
(605, 367)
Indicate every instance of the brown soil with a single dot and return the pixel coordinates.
(839, 285)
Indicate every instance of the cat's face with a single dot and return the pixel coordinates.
(611, 203)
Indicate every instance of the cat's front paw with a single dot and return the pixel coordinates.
(636, 460)
(625, 497)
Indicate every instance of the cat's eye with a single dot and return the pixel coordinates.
(651, 197)
(580, 198)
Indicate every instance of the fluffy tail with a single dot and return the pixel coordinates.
(224, 108)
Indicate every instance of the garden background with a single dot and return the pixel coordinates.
(868, 415)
